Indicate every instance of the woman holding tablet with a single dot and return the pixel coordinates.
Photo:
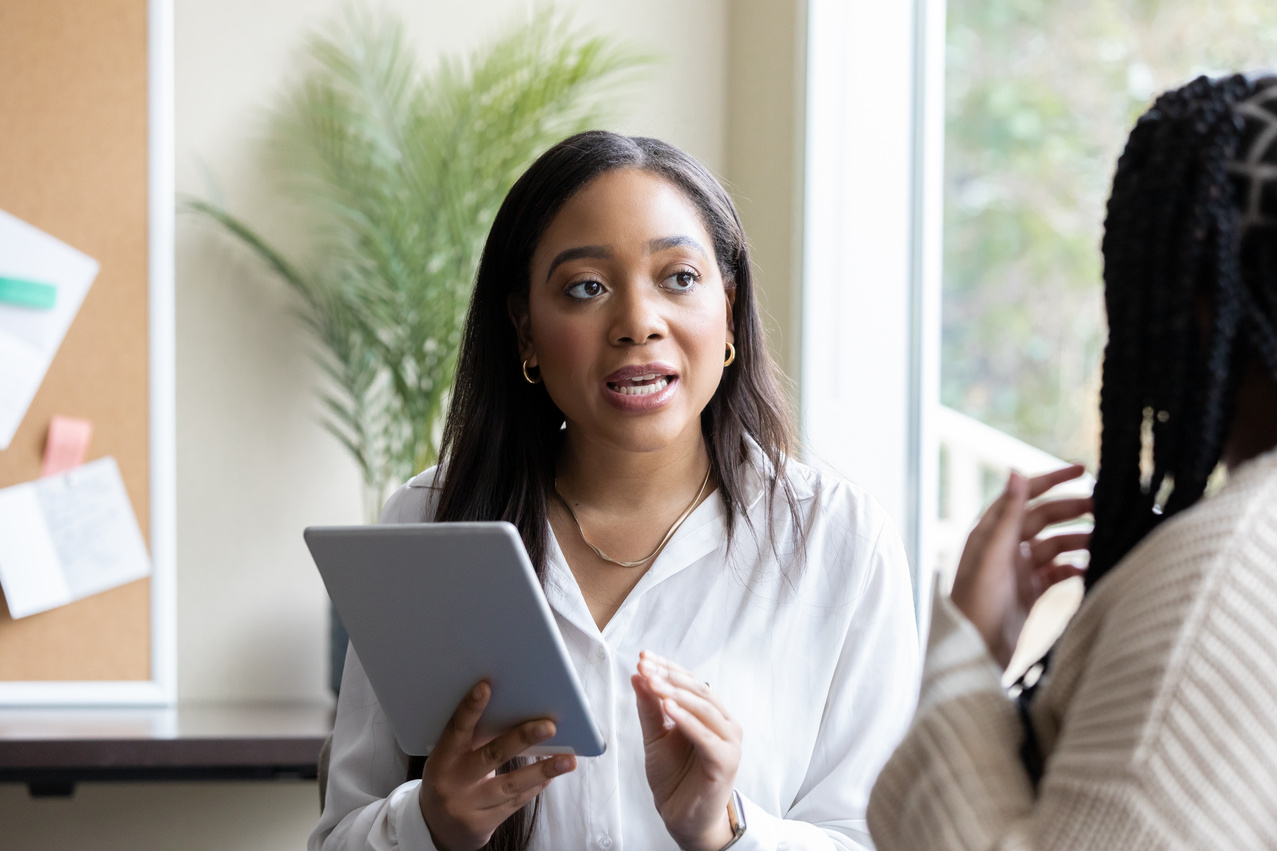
(741, 624)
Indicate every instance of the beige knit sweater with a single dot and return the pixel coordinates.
(1158, 718)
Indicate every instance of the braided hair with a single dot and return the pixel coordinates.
(1190, 287)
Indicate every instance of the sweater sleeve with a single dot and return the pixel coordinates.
(1163, 740)
(956, 780)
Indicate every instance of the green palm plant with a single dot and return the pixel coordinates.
(403, 172)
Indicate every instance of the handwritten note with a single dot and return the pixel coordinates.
(29, 338)
(67, 537)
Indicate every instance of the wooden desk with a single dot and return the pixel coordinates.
(53, 749)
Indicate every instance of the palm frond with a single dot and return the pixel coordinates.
(403, 173)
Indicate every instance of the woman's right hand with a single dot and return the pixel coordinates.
(462, 797)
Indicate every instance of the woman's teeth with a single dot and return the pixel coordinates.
(656, 386)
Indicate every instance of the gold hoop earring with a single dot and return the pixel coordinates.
(731, 355)
(527, 376)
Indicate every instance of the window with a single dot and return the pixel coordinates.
(1039, 98)
(957, 163)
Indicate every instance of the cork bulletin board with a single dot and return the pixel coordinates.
(85, 155)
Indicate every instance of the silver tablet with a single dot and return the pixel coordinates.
(432, 609)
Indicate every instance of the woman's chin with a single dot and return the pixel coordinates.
(658, 432)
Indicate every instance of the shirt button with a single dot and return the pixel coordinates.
(605, 842)
(600, 655)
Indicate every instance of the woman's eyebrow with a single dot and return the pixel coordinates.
(667, 242)
(601, 252)
(596, 252)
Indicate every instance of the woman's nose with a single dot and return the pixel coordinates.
(637, 316)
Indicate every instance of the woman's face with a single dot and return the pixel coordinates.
(627, 315)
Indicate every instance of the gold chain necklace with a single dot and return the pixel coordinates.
(670, 534)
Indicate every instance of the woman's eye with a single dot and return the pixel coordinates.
(585, 289)
(683, 280)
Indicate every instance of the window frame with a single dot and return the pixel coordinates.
(872, 213)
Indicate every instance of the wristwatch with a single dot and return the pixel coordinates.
(735, 818)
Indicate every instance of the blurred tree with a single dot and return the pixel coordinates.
(1040, 97)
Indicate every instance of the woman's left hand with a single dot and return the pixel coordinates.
(692, 751)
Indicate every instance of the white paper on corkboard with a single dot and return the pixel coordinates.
(29, 338)
(66, 537)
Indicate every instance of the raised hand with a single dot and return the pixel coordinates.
(462, 797)
(692, 749)
(1006, 564)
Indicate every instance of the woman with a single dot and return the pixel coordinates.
(614, 400)
(1154, 724)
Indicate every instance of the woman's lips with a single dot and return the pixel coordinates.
(640, 370)
(641, 387)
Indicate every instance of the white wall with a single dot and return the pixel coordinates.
(765, 118)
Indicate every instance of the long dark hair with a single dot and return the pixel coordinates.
(502, 434)
(1189, 232)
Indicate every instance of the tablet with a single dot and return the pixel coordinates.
(432, 609)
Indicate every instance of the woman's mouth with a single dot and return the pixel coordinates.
(641, 385)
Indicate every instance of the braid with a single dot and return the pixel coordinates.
(1193, 195)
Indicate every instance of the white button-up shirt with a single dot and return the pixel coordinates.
(817, 659)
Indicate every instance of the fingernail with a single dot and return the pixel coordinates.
(477, 692)
(564, 764)
(544, 730)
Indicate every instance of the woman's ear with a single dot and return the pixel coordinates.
(517, 308)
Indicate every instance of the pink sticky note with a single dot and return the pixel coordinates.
(66, 446)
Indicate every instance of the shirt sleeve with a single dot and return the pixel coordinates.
(1160, 745)
(368, 806)
(867, 710)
